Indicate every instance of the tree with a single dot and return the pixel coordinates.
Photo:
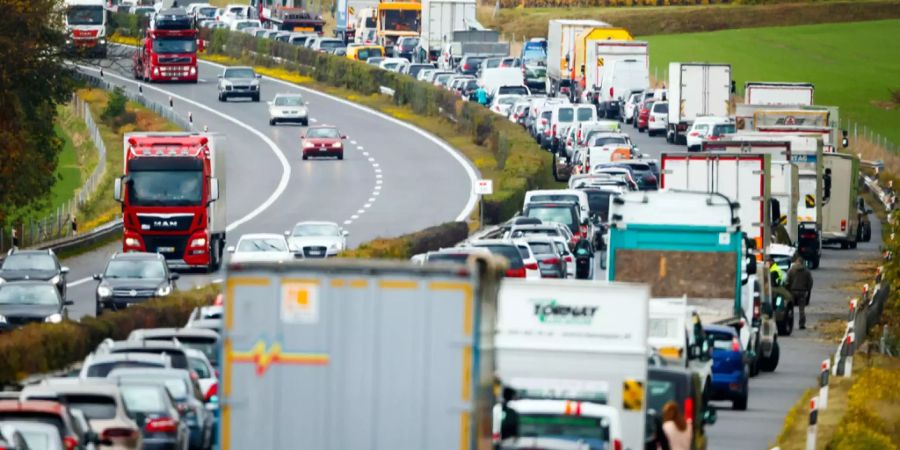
(33, 80)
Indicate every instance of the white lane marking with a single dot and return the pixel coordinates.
(353, 142)
(367, 205)
(354, 217)
(218, 281)
(79, 282)
(360, 147)
(374, 164)
(377, 170)
(377, 181)
(377, 175)
(360, 211)
(313, 120)
(348, 222)
(371, 159)
(371, 199)
(365, 153)
(285, 166)
(473, 178)
(377, 188)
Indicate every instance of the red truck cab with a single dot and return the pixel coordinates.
(169, 196)
(168, 51)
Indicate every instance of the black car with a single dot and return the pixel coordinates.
(152, 408)
(34, 265)
(133, 278)
(405, 47)
(468, 65)
(672, 384)
(25, 302)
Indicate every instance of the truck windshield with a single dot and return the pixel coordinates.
(400, 20)
(85, 15)
(593, 431)
(165, 188)
(174, 45)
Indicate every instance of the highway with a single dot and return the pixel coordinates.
(394, 178)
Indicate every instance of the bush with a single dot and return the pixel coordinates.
(404, 247)
(114, 114)
(61, 345)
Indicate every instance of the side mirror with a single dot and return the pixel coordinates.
(343, 137)
(345, 233)
(710, 416)
(63, 270)
(257, 76)
(230, 249)
(213, 189)
(287, 233)
(117, 190)
(174, 276)
(69, 302)
(97, 276)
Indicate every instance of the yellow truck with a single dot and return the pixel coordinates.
(567, 43)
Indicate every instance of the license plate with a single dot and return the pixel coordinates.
(315, 253)
(322, 149)
(165, 249)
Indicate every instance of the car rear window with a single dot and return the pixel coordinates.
(94, 407)
(198, 365)
(719, 130)
(660, 107)
(448, 257)
(563, 214)
(510, 252)
(101, 370)
(701, 128)
(585, 114)
(598, 203)
(542, 248)
(143, 399)
(18, 418)
(660, 393)
(566, 114)
(179, 360)
(555, 198)
(721, 341)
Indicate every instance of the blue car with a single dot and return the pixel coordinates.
(730, 371)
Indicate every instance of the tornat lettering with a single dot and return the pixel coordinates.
(551, 311)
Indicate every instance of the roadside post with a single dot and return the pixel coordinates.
(813, 418)
(823, 384)
(482, 188)
(848, 361)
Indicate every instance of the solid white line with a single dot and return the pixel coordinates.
(285, 166)
(313, 120)
(473, 178)
(79, 282)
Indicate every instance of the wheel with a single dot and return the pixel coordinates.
(340, 157)
(740, 403)
(98, 310)
(769, 364)
(853, 245)
(866, 232)
(669, 138)
(553, 168)
(272, 122)
(256, 98)
(786, 326)
(815, 264)
(305, 157)
(641, 130)
(845, 245)
(306, 123)
(221, 97)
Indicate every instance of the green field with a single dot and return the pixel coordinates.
(68, 172)
(853, 65)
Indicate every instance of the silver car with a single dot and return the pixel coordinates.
(238, 82)
(288, 108)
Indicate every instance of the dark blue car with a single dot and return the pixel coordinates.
(730, 371)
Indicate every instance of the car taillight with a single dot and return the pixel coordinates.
(551, 261)
(568, 258)
(617, 444)
(756, 307)
(71, 442)
(118, 433)
(689, 409)
(213, 390)
(735, 345)
(553, 130)
(843, 224)
(161, 425)
(543, 121)
(465, 67)
(516, 273)
(578, 136)
(584, 231)
(808, 236)
(694, 133)
(568, 142)
(532, 266)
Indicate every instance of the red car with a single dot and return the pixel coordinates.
(71, 432)
(644, 115)
(322, 140)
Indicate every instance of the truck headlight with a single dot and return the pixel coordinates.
(53, 318)
(199, 242)
(2, 318)
(104, 291)
(131, 242)
(164, 291)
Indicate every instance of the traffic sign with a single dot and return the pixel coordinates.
(484, 187)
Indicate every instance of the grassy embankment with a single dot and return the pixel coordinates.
(77, 159)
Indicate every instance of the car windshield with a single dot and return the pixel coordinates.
(518, 90)
(510, 252)
(609, 140)
(238, 73)
(558, 214)
(585, 114)
(490, 63)
(289, 100)
(507, 100)
(206, 12)
(203, 344)
(542, 248)
(198, 365)
(554, 198)
(94, 407)
(248, 24)
(442, 78)
(660, 107)
(366, 53)
(593, 431)
(177, 386)
(326, 44)
(174, 45)
(85, 15)
(536, 232)
(28, 294)
(325, 133)
(143, 399)
(148, 269)
(719, 130)
(29, 261)
(566, 114)
(700, 129)
(598, 203)
(325, 229)
(37, 435)
(262, 245)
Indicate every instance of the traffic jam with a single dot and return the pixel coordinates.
(639, 292)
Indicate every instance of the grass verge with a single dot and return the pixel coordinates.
(532, 22)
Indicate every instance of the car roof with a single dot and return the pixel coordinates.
(27, 283)
(182, 373)
(480, 242)
(150, 333)
(720, 329)
(91, 388)
(39, 406)
(261, 236)
(124, 346)
(138, 256)
(138, 357)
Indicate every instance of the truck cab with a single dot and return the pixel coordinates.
(168, 51)
(86, 27)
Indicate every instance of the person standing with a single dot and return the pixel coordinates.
(15, 238)
(800, 282)
(74, 226)
(677, 430)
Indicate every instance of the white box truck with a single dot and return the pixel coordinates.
(615, 69)
(696, 90)
(355, 354)
(839, 199)
(440, 18)
(562, 36)
(766, 93)
(581, 341)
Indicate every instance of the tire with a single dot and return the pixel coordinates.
(553, 168)
(306, 123)
(256, 98)
(853, 244)
(845, 245)
(786, 326)
(815, 263)
(771, 363)
(340, 157)
(867, 232)
(641, 130)
(272, 122)
(754, 366)
(98, 310)
(305, 157)
(740, 403)
(221, 97)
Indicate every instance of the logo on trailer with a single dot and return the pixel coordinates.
(551, 311)
(264, 357)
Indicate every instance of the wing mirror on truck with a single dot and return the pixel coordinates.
(844, 142)
(117, 190)
(213, 189)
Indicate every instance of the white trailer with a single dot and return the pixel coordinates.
(580, 340)
(562, 36)
(613, 70)
(440, 18)
(765, 93)
(839, 199)
(696, 90)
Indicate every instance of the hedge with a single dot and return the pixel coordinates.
(404, 247)
(41, 348)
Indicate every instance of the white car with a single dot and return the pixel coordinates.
(317, 239)
(658, 118)
(206, 374)
(393, 64)
(502, 103)
(242, 24)
(532, 269)
(631, 107)
(233, 12)
(708, 129)
(288, 108)
(261, 247)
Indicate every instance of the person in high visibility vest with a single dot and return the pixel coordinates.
(776, 273)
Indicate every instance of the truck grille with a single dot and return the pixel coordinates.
(174, 60)
(315, 251)
(19, 321)
(162, 222)
(162, 245)
(174, 71)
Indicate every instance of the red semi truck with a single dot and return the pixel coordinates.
(170, 197)
(168, 51)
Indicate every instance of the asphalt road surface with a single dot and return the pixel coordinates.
(394, 178)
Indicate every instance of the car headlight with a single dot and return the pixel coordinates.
(55, 280)
(2, 318)
(334, 247)
(104, 291)
(336, 145)
(102, 41)
(164, 291)
(53, 318)
(2, 281)
(308, 145)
